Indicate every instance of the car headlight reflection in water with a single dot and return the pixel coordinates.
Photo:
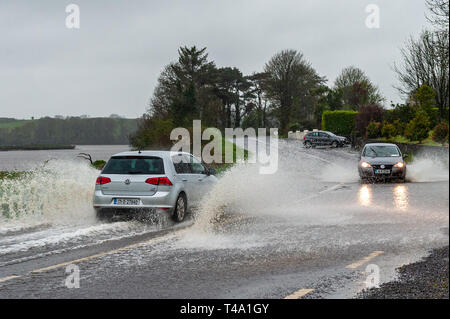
(401, 197)
(365, 195)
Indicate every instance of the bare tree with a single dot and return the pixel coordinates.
(425, 61)
(439, 16)
(356, 88)
(290, 79)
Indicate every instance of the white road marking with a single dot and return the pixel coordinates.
(299, 294)
(107, 253)
(9, 278)
(365, 260)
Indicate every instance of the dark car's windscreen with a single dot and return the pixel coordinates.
(134, 165)
(381, 151)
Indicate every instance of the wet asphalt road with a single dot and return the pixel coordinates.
(311, 226)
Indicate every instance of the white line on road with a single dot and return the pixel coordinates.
(299, 294)
(365, 260)
(107, 253)
(8, 278)
(76, 261)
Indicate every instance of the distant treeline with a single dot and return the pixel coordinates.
(73, 130)
(39, 147)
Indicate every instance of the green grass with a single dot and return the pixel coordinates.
(14, 124)
(401, 139)
(221, 168)
(11, 175)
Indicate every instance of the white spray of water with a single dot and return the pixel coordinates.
(244, 191)
(425, 169)
(340, 173)
(60, 192)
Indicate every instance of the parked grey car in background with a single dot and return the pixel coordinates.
(323, 138)
(382, 161)
(156, 181)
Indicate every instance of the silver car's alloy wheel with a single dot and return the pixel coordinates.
(180, 209)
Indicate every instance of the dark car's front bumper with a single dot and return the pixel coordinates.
(395, 172)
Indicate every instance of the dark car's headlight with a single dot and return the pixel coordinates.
(399, 165)
(365, 165)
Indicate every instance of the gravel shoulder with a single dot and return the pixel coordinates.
(426, 279)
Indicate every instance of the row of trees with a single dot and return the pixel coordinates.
(288, 94)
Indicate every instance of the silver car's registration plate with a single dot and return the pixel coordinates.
(126, 201)
(382, 171)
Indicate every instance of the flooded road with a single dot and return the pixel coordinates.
(311, 226)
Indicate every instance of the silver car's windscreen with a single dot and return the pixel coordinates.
(381, 151)
(145, 165)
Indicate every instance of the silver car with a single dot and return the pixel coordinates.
(382, 161)
(156, 181)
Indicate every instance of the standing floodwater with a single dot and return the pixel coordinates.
(26, 160)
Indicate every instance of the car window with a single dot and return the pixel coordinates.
(181, 164)
(196, 165)
(321, 134)
(381, 151)
(134, 165)
(315, 134)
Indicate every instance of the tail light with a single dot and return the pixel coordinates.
(159, 181)
(152, 181)
(304, 137)
(103, 180)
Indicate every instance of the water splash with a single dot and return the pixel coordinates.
(428, 169)
(59, 192)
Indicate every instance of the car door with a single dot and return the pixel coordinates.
(201, 181)
(184, 174)
(315, 138)
(325, 139)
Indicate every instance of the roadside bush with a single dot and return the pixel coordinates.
(440, 133)
(294, 127)
(339, 122)
(434, 117)
(99, 164)
(403, 113)
(418, 128)
(152, 133)
(389, 130)
(373, 130)
(308, 125)
(367, 114)
(399, 127)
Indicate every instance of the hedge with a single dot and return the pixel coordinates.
(339, 122)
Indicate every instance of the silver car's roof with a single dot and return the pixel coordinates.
(380, 144)
(149, 153)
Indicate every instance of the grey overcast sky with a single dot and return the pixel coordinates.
(111, 64)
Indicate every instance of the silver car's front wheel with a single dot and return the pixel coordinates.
(180, 209)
